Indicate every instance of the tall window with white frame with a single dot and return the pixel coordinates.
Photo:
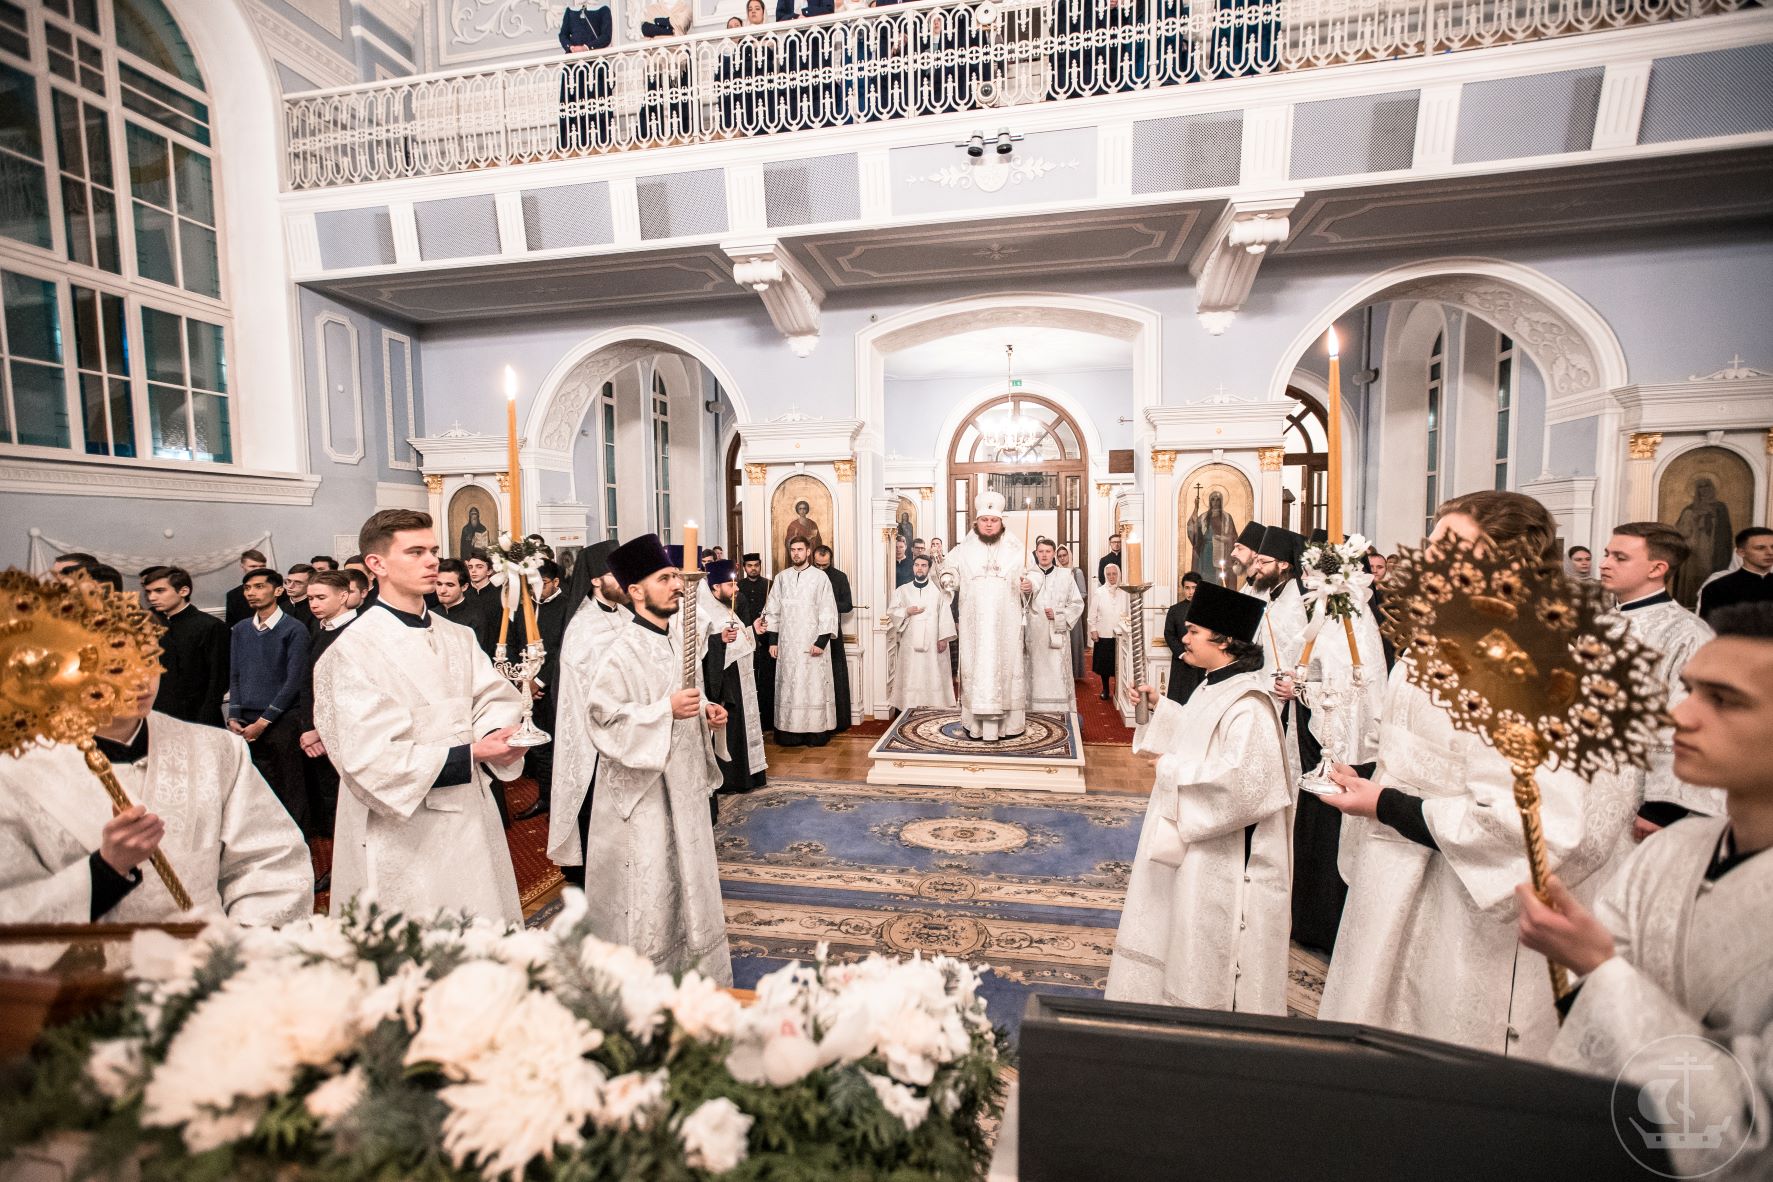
(1504, 408)
(661, 417)
(606, 410)
(1437, 364)
(110, 240)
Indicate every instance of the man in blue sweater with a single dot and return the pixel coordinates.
(268, 663)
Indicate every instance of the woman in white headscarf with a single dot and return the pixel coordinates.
(1110, 621)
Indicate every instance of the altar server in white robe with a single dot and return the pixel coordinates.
(1680, 945)
(1054, 609)
(651, 878)
(65, 859)
(1206, 917)
(414, 716)
(985, 573)
(924, 628)
(575, 760)
(1431, 850)
(1635, 567)
(799, 625)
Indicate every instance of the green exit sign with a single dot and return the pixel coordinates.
(1016, 384)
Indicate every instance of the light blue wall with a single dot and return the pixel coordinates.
(1572, 447)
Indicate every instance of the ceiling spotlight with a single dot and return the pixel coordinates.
(1006, 143)
(975, 146)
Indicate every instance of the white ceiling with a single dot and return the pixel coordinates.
(1038, 351)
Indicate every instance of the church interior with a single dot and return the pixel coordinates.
(1108, 306)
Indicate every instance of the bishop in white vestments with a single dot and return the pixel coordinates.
(587, 637)
(1054, 609)
(1206, 917)
(799, 624)
(1676, 962)
(924, 628)
(985, 573)
(1431, 851)
(414, 715)
(651, 878)
(65, 859)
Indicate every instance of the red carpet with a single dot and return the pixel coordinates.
(1101, 720)
(536, 875)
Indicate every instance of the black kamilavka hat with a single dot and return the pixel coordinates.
(1229, 613)
(632, 562)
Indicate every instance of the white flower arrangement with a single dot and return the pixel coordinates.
(373, 1045)
(1335, 576)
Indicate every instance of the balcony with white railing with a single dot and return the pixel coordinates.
(889, 64)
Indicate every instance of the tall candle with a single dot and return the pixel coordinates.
(691, 552)
(1334, 518)
(1135, 571)
(514, 474)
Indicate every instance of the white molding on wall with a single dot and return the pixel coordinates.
(464, 454)
(390, 495)
(797, 439)
(1571, 502)
(86, 478)
(1196, 427)
(394, 440)
(321, 320)
(1697, 406)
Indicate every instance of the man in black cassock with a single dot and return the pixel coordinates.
(193, 652)
(1183, 676)
(840, 665)
(329, 603)
(754, 592)
(729, 681)
(552, 614)
(458, 605)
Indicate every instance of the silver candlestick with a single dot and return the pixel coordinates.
(1136, 605)
(1318, 694)
(522, 673)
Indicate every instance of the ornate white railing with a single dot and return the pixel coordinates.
(885, 63)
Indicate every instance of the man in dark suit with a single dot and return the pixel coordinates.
(236, 608)
(193, 653)
(1183, 676)
(455, 604)
(840, 665)
(552, 614)
(329, 596)
(1112, 558)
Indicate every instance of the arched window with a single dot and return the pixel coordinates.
(1504, 407)
(114, 324)
(1029, 450)
(661, 419)
(1306, 475)
(1437, 388)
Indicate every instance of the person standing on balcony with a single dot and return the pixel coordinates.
(584, 83)
(666, 116)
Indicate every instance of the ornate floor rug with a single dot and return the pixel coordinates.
(926, 731)
(1029, 887)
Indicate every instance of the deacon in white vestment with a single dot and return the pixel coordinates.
(413, 714)
(1635, 567)
(651, 878)
(1206, 917)
(587, 637)
(1054, 609)
(924, 628)
(1676, 962)
(65, 859)
(985, 573)
(1431, 850)
(799, 624)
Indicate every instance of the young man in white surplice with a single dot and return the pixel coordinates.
(1431, 850)
(1679, 949)
(985, 573)
(1207, 911)
(1054, 609)
(799, 625)
(582, 647)
(925, 629)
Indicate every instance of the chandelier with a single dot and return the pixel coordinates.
(1015, 436)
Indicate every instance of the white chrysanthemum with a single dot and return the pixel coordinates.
(910, 1108)
(115, 1066)
(702, 1009)
(460, 1015)
(319, 936)
(714, 1136)
(631, 1101)
(211, 1130)
(165, 960)
(397, 997)
(331, 1101)
(528, 1092)
(772, 1048)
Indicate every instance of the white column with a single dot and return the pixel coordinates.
(1640, 476)
(434, 504)
(1160, 543)
(1268, 497)
(756, 523)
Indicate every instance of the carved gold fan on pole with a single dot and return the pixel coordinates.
(1528, 659)
(71, 654)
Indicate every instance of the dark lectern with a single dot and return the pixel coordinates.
(1111, 1090)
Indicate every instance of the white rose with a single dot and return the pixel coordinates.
(460, 1015)
(156, 956)
(702, 1009)
(332, 1100)
(899, 1100)
(629, 1100)
(714, 1136)
(115, 1066)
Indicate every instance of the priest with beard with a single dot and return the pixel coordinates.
(985, 572)
(601, 613)
(726, 671)
(840, 664)
(1243, 556)
(651, 878)
(754, 592)
(800, 625)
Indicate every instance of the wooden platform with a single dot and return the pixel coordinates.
(929, 747)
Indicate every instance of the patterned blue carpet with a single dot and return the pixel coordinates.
(1028, 886)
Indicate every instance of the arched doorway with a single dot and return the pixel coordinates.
(1029, 450)
(733, 490)
(1305, 477)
